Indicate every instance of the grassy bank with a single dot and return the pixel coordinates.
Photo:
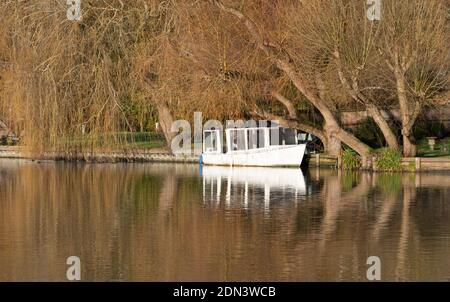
(442, 148)
(110, 141)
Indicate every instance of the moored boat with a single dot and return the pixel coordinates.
(256, 147)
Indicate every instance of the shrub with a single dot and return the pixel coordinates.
(389, 160)
(350, 159)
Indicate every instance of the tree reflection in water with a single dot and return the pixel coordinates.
(174, 222)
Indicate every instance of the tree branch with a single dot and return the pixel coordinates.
(351, 90)
(298, 81)
(287, 103)
(291, 123)
(251, 26)
(268, 50)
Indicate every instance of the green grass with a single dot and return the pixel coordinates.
(152, 144)
(442, 148)
(142, 140)
(119, 140)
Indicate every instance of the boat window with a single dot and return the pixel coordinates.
(255, 138)
(237, 139)
(275, 137)
(289, 136)
(283, 136)
(211, 141)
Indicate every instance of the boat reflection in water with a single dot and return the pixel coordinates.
(252, 184)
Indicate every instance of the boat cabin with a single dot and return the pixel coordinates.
(246, 139)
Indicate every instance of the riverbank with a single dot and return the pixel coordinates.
(151, 155)
(418, 164)
(415, 164)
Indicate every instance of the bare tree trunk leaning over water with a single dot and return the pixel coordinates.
(332, 127)
(332, 146)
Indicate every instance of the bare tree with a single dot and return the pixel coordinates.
(283, 60)
(334, 40)
(226, 58)
(414, 45)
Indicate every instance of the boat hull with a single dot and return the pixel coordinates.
(274, 156)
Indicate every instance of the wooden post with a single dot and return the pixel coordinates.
(317, 160)
(418, 163)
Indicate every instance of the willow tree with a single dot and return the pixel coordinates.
(192, 68)
(211, 67)
(413, 43)
(285, 58)
(315, 43)
(68, 83)
(63, 73)
(340, 31)
(205, 66)
(362, 55)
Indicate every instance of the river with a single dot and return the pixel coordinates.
(168, 222)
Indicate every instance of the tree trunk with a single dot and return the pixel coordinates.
(294, 122)
(350, 140)
(391, 139)
(333, 146)
(166, 121)
(332, 125)
(409, 146)
(336, 132)
(408, 118)
(372, 109)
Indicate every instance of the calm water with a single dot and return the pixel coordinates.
(162, 222)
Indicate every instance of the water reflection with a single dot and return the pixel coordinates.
(175, 222)
(251, 184)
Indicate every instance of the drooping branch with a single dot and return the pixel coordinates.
(251, 26)
(293, 118)
(320, 86)
(343, 79)
(287, 103)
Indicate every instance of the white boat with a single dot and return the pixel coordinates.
(256, 147)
